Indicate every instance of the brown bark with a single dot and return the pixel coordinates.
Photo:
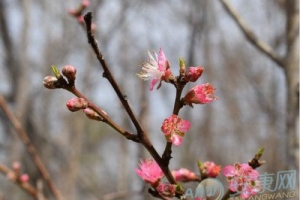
(291, 68)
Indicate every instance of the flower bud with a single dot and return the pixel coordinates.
(85, 3)
(49, 82)
(166, 189)
(185, 175)
(24, 178)
(193, 73)
(209, 169)
(76, 104)
(200, 94)
(16, 166)
(92, 114)
(69, 72)
(181, 66)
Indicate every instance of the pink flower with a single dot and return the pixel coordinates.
(242, 179)
(193, 73)
(76, 104)
(174, 129)
(166, 189)
(157, 68)
(200, 94)
(210, 169)
(150, 172)
(184, 175)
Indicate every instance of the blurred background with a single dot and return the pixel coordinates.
(89, 160)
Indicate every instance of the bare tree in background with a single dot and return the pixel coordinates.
(289, 63)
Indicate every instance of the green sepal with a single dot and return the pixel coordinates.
(179, 188)
(200, 165)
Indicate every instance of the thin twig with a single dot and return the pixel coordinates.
(27, 187)
(30, 148)
(259, 44)
(107, 74)
(106, 118)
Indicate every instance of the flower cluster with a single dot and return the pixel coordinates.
(242, 179)
(157, 68)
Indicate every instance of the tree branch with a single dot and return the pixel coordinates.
(106, 118)
(30, 148)
(249, 34)
(27, 187)
(164, 165)
(107, 74)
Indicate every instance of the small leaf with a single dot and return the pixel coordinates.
(55, 71)
(181, 62)
(181, 66)
(260, 151)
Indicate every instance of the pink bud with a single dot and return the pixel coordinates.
(85, 3)
(166, 189)
(24, 178)
(70, 72)
(16, 166)
(49, 82)
(92, 114)
(209, 169)
(76, 104)
(185, 175)
(193, 73)
(73, 12)
(200, 94)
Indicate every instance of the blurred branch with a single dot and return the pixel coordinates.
(30, 148)
(120, 194)
(27, 187)
(11, 59)
(259, 44)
